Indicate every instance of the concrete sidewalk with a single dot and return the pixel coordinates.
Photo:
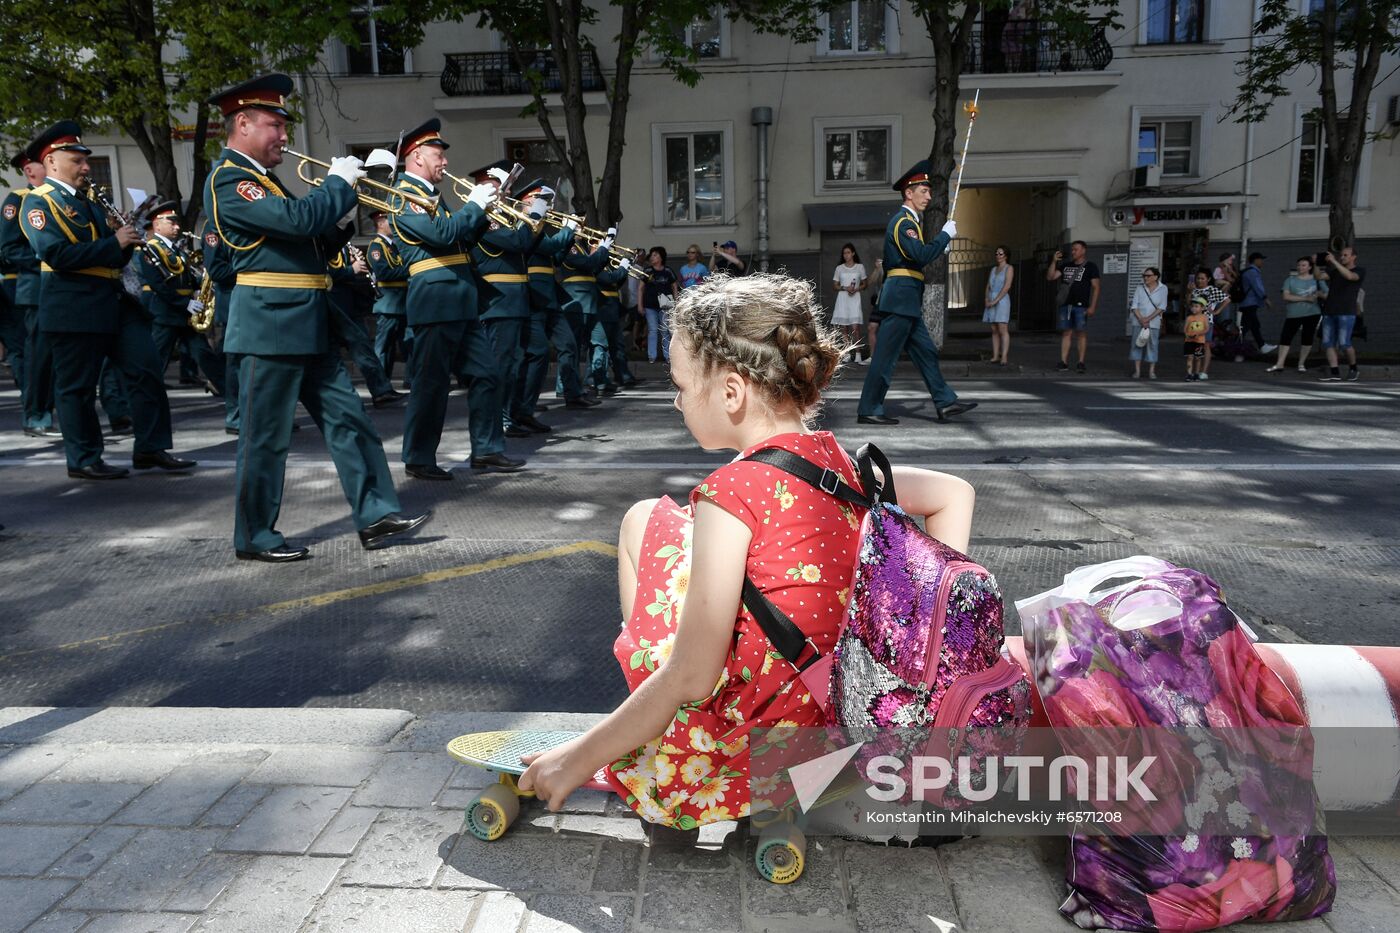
(164, 819)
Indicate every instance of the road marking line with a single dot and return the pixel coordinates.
(317, 600)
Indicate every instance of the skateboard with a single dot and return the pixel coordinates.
(779, 856)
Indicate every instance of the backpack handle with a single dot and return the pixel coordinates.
(868, 457)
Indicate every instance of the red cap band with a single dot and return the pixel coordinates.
(62, 142)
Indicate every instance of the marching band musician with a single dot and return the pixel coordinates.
(218, 263)
(442, 310)
(500, 259)
(85, 315)
(36, 390)
(170, 288)
(393, 339)
(346, 331)
(279, 325)
(901, 303)
(581, 289)
(548, 325)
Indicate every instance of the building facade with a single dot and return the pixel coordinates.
(1123, 141)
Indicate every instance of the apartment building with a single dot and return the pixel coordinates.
(1123, 141)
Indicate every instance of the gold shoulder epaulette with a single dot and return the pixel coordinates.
(45, 188)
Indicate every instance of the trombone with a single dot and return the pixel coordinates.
(379, 196)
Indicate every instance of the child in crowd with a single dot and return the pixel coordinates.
(1197, 330)
(749, 360)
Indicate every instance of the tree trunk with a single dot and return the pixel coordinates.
(201, 166)
(152, 131)
(949, 37)
(1350, 137)
(610, 187)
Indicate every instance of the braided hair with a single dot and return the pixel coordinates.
(768, 329)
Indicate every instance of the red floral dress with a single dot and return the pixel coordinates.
(801, 556)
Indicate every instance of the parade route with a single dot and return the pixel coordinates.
(127, 593)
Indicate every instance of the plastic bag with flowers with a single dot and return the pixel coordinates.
(1144, 660)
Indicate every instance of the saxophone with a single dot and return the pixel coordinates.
(203, 319)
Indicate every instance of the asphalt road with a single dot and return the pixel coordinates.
(128, 593)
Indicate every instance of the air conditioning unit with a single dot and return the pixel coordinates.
(1392, 111)
(1147, 176)
(1117, 217)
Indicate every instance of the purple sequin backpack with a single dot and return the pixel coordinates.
(922, 642)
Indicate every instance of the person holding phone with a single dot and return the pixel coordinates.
(1077, 299)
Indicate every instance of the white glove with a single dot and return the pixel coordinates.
(612, 234)
(348, 169)
(194, 307)
(606, 242)
(483, 196)
(625, 265)
(951, 228)
(570, 223)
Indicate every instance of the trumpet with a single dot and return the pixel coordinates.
(505, 212)
(372, 194)
(592, 237)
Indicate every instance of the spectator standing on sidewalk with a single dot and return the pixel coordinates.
(725, 259)
(1195, 329)
(1077, 298)
(656, 296)
(1217, 301)
(1146, 309)
(872, 326)
(1303, 294)
(694, 271)
(848, 281)
(1255, 297)
(1344, 278)
(998, 305)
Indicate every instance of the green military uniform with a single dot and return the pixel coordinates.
(346, 330)
(36, 359)
(582, 295)
(442, 310)
(609, 344)
(11, 314)
(500, 259)
(218, 263)
(548, 326)
(901, 303)
(87, 319)
(278, 325)
(393, 338)
(169, 289)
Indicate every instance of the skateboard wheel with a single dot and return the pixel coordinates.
(492, 812)
(781, 854)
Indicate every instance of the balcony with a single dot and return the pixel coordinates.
(493, 82)
(496, 74)
(1030, 58)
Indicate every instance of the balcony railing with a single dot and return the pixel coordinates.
(486, 74)
(1027, 46)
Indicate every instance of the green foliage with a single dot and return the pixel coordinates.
(1289, 40)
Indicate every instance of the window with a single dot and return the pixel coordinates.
(1169, 22)
(860, 27)
(704, 36)
(856, 156)
(1314, 158)
(378, 51)
(100, 175)
(1168, 143)
(694, 188)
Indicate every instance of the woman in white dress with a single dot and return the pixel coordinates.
(998, 306)
(848, 282)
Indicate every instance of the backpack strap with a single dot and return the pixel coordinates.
(781, 631)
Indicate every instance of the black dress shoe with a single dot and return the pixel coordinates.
(581, 402)
(431, 471)
(957, 408)
(516, 429)
(533, 424)
(98, 470)
(388, 398)
(876, 419)
(233, 431)
(162, 459)
(634, 383)
(377, 535)
(276, 555)
(121, 426)
(498, 463)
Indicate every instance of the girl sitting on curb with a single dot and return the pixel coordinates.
(749, 359)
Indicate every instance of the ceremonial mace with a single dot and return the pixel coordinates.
(971, 109)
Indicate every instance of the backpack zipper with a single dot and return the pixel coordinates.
(967, 691)
(935, 643)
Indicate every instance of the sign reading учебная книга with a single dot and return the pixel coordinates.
(1194, 215)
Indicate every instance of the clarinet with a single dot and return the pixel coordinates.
(357, 256)
(148, 248)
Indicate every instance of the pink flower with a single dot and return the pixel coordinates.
(1246, 889)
